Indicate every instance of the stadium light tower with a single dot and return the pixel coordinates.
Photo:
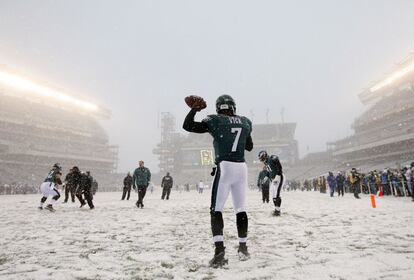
(29, 87)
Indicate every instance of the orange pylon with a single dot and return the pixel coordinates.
(373, 204)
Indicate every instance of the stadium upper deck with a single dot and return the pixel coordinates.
(40, 125)
(384, 134)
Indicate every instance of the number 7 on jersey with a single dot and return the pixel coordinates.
(237, 130)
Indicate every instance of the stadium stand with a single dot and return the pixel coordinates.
(37, 130)
(383, 135)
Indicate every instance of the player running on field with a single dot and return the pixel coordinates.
(232, 136)
(49, 187)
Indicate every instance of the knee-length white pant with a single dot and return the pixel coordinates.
(230, 177)
(277, 185)
(48, 188)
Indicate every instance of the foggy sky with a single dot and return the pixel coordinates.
(139, 58)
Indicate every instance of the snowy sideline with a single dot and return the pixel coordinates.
(317, 237)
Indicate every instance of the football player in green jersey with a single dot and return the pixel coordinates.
(276, 175)
(231, 137)
(49, 187)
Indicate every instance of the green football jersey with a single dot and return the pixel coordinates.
(52, 175)
(274, 166)
(230, 135)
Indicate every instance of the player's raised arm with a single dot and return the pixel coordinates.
(196, 104)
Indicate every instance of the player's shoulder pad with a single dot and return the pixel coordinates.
(247, 120)
(274, 158)
(209, 118)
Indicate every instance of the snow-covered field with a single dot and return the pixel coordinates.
(317, 237)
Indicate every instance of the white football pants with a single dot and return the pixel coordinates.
(230, 177)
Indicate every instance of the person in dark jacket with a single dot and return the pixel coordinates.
(94, 187)
(332, 183)
(140, 182)
(85, 189)
(307, 185)
(323, 184)
(127, 186)
(372, 186)
(71, 183)
(340, 181)
(355, 180)
(263, 183)
(68, 187)
(166, 184)
(385, 182)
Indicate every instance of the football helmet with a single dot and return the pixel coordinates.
(225, 102)
(57, 166)
(263, 155)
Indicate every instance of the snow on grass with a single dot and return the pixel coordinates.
(317, 237)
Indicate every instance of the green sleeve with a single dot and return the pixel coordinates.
(210, 122)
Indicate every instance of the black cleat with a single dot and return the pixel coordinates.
(276, 212)
(218, 260)
(50, 208)
(40, 208)
(142, 205)
(82, 204)
(243, 252)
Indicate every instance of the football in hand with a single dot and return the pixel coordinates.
(195, 102)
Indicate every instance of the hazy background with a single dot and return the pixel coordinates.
(139, 58)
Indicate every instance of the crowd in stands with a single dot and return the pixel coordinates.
(396, 182)
(33, 134)
(16, 188)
